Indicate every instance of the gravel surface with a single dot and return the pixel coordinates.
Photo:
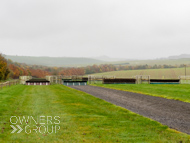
(175, 114)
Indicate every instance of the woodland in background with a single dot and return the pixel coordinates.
(10, 69)
(4, 71)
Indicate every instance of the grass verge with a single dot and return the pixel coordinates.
(177, 92)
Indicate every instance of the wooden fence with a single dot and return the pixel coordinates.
(8, 83)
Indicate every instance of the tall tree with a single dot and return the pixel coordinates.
(4, 71)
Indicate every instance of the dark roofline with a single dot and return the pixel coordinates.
(37, 80)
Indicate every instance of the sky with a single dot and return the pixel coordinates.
(130, 29)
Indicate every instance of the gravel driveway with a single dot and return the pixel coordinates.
(174, 114)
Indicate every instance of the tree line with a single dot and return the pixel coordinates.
(10, 69)
(4, 70)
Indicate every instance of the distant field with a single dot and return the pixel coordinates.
(158, 62)
(177, 92)
(154, 73)
(83, 118)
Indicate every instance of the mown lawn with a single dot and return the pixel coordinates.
(177, 92)
(83, 118)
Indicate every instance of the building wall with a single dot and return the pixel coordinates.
(23, 79)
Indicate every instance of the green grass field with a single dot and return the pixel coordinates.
(83, 118)
(177, 92)
(172, 73)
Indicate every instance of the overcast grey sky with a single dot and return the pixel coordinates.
(88, 28)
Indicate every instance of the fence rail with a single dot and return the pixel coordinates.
(8, 83)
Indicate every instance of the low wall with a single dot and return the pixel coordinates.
(185, 81)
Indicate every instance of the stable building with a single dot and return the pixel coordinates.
(37, 81)
(70, 82)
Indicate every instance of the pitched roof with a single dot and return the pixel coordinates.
(37, 80)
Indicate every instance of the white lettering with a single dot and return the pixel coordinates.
(29, 129)
(57, 119)
(40, 129)
(56, 128)
(41, 119)
(21, 121)
(11, 119)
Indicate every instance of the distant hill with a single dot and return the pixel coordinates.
(54, 61)
(109, 59)
(182, 56)
(78, 62)
(171, 60)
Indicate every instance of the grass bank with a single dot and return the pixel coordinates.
(177, 92)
